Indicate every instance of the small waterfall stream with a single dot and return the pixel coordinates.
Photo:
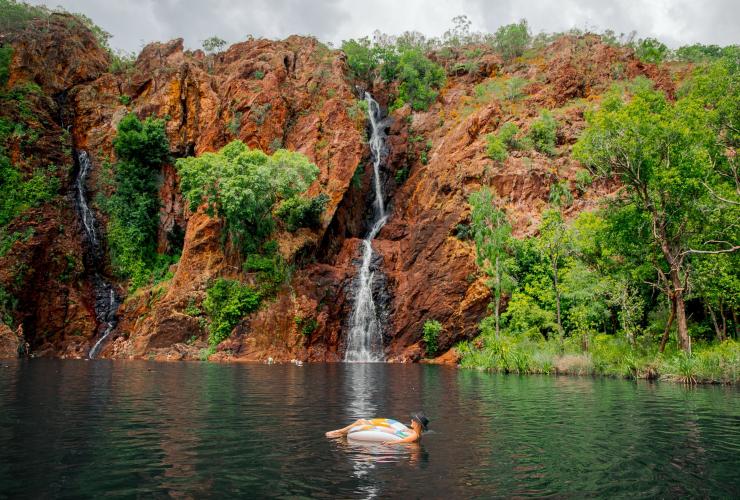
(365, 339)
(106, 300)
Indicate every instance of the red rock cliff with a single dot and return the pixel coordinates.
(296, 94)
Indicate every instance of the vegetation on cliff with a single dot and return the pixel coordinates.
(604, 290)
(252, 192)
(141, 149)
(250, 189)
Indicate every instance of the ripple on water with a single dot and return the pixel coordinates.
(144, 429)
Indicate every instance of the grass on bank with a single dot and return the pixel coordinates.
(605, 355)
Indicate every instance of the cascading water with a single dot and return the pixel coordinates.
(106, 300)
(365, 339)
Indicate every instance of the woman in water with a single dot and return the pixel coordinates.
(409, 434)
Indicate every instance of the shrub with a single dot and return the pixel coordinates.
(401, 175)
(419, 78)
(432, 328)
(121, 62)
(270, 268)
(298, 211)
(6, 56)
(584, 179)
(495, 148)
(651, 50)
(543, 133)
(362, 57)
(307, 325)
(512, 40)
(141, 148)
(226, 303)
(124, 99)
(560, 195)
(242, 185)
(507, 134)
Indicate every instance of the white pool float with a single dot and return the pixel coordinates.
(379, 430)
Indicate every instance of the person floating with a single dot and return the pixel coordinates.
(383, 430)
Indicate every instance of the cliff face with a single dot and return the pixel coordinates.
(296, 94)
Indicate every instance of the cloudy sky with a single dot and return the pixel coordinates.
(136, 22)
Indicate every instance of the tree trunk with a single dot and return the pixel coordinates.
(667, 330)
(682, 334)
(717, 328)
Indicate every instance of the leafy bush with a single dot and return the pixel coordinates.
(243, 185)
(543, 133)
(432, 328)
(560, 195)
(362, 57)
(651, 50)
(121, 62)
(495, 148)
(6, 56)
(512, 40)
(307, 325)
(584, 179)
(271, 269)
(700, 53)
(226, 303)
(298, 211)
(401, 175)
(141, 148)
(420, 79)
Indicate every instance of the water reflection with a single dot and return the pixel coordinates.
(362, 386)
(137, 429)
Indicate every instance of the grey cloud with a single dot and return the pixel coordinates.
(133, 22)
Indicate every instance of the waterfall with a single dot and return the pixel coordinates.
(365, 339)
(106, 300)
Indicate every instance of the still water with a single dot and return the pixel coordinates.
(89, 428)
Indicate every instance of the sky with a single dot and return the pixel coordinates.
(133, 23)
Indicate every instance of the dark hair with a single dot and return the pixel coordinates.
(421, 418)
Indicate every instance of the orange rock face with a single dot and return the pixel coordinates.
(296, 94)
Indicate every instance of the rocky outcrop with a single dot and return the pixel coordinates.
(42, 274)
(296, 94)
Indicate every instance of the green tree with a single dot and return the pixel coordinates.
(665, 155)
(651, 50)
(494, 246)
(362, 57)
(419, 80)
(243, 185)
(554, 244)
(213, 44)
(512, 40)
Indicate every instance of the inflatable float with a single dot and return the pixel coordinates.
(379, 430)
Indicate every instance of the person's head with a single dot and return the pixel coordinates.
(419, 422)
